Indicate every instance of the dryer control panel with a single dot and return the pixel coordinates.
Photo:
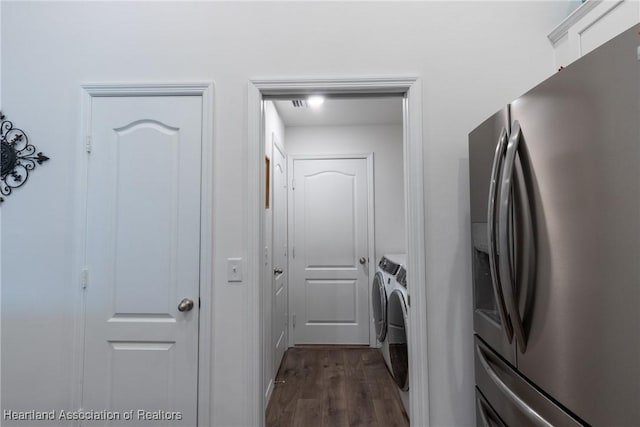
(388, 266)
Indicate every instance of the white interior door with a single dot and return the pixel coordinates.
(330, 258)
(143, 257)
(280, 294)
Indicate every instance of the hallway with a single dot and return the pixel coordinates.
(335, 386)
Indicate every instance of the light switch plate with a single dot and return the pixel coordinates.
(234, 270)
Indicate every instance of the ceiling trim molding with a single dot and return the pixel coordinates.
(563, 28)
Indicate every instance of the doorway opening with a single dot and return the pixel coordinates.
(316, 237)
(337, 209)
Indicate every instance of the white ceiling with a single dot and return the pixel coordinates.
(343, 111)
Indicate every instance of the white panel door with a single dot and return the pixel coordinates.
(330, 226)
(280, 294)
(143, 256)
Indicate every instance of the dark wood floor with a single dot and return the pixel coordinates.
(334, 387)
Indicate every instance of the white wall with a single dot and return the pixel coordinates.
(0, 209)
(385, 141)
(273, 126)
(0, 54)
(473, 58)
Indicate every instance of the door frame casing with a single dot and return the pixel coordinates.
(370, 227)
(411, 90)
(205, 326)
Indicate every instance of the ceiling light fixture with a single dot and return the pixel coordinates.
(315, 101)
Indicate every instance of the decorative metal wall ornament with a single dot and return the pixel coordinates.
(18, 157)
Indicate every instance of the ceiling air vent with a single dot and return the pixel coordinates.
(299, 103)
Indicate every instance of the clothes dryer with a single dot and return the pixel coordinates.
(382, 285)
(398, 334)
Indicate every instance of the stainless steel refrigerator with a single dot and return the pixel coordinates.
(555, 213)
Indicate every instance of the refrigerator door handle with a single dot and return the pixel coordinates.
(528, 411)
(483, 414)
(491, 220)
(504, 245)
(485, 418)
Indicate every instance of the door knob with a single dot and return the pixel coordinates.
(185, 305)
(363, 260)
(277, 271)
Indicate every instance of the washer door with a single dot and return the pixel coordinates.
(397, 318)
(379, 305)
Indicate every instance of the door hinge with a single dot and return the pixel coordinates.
(293, 320)
(87, 144)
(199, 302)
(84, 278)
(293, 184)
(293, 251)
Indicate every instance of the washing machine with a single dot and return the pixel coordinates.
(397, 334)
(381, 287)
